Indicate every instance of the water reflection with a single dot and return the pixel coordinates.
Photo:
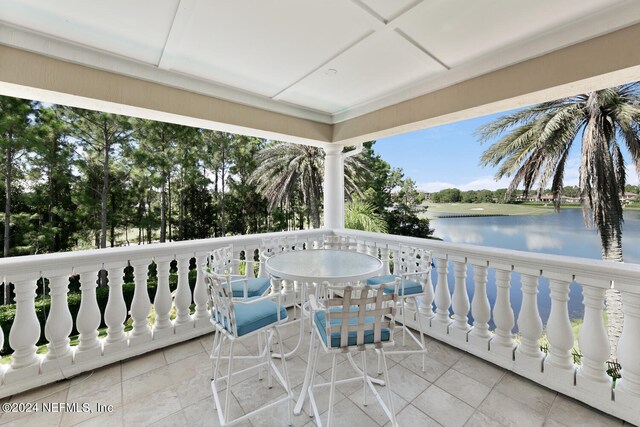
(537, 242)
(562, 233)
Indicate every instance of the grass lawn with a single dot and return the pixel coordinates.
(486, 209)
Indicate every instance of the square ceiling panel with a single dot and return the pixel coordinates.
(458, 31)
(264, 47)
(376, 66)
(133, 29)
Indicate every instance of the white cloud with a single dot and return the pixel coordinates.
(483, 183)
(571, 177)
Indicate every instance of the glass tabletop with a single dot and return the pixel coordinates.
(316, 265)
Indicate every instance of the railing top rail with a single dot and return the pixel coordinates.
(625, 275)
(92, 257)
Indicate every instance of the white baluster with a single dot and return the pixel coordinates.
(115, 313)
(25, 331)
(594, 344)
(426, 300)
(88, 319)
(442, 297)
(162, 301)
(502, 342)
(529, 322)
(140, 305)
(384, 252)
(59, 325)
(201, 316)
(559, 333)
(480, 308)
(628, 387)
(183, 296)
(396, 261)
(460, 299)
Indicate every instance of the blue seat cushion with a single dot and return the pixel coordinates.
(251, 317)
(411, 287)
(256, 287)
(321, 324)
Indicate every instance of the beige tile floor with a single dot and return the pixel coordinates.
(171, 387)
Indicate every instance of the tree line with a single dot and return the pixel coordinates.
(74, 178)
(455, 195)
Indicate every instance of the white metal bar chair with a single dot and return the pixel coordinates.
(361, 320)
(244, 286)
(411, 268)
(239, 320)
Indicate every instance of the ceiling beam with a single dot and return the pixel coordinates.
(605, 61)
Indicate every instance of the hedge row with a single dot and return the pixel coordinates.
(43, 303)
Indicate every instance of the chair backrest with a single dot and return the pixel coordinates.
(412, 260)
(276, 245)
(373, 309)
(221, 301)
(221, 260)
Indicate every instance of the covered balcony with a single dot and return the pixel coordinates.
(333, 75)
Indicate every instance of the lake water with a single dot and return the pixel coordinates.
(562, 233)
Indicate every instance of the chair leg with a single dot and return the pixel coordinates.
(422, 344)
(286, 374)
(314, 370)
(364, 378)
(212, 356)
(332, 390)
(379, 362)
(404, 322)
(268, 339)
(260, 353)
(227, 398)
(394, 423)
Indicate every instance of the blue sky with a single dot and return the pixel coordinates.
(449, 156)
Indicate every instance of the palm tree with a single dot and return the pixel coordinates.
(286, 170)
(361, 215)
(535, 145)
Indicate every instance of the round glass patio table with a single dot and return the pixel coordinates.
(320, 265)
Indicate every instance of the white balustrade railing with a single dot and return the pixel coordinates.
(29, 369)
(477, 324)
(488, 331)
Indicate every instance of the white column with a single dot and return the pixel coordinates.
(333, 187)
(140, 305)
(115, 313)
(88, 319)
(162, 300)
(59, 324)
(25, 331)
(201, 316)
(480, 308)
(183, 296)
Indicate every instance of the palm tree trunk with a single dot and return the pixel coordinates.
(613, 252)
